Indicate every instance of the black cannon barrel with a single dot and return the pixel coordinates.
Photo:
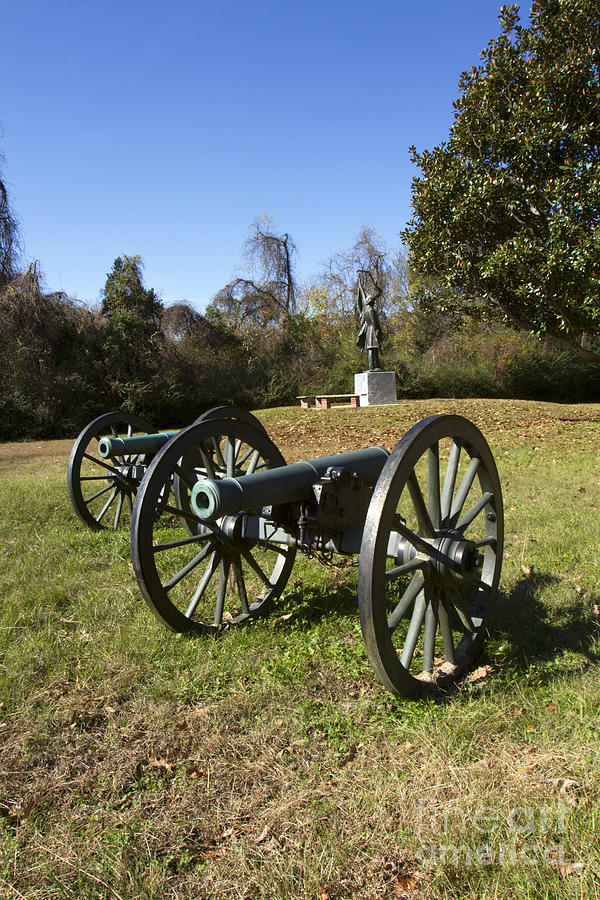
(139, 443)
(286, 484)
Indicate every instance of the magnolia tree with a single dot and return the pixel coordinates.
(507, 211)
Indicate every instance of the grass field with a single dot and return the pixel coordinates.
(270, 763)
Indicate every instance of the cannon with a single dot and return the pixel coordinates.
(109, 460)
(218, 519)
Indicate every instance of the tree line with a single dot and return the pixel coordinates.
(494, 292)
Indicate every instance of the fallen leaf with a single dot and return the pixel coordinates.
(527, 571)
(551, 706)
(479, 674)
(349, 756)
(406, 746)
(567, 869)
(161, 764)
(263, 835)
(529, 728)
(404, 886)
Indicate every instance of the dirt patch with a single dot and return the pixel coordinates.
(25, 457)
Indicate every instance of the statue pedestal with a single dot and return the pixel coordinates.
(375, 387)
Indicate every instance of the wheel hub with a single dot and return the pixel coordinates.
(455, 555)
(129, 474)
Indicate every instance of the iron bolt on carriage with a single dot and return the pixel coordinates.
(217, 518)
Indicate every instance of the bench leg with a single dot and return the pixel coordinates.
(355, 401)
(304, 404)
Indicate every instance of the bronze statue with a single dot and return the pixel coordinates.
(370, 336)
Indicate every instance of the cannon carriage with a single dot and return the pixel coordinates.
(218, 519)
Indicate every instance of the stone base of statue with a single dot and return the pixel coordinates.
(375, 387)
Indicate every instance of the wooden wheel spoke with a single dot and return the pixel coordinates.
(462, 610)
(430, 629)
(405, 602)
(253, 464)
(176, 511)
(241, 586)
(256, 568)
(185, 476)
(210, 469)
(222, 591)
(99, 493)
(118, 511)
(105, 465)
(463, 491)
(405, 568)
(281, 549)
(414, 629)
(446, 630)
(216, 445)
(189, 567)
(433, 485)
(415, 540)
(472, 514)
(450, 479)
(107, 505)
(473, 579)
(182, 542)
(416, 495)
(230, 456)
(245, 457)
(204, 582)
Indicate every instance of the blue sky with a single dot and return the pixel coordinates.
(164, 128)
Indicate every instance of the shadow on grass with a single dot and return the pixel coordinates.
(308, 605)
(523, 629)
(531, 632)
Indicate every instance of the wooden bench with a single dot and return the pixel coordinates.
(323, 401)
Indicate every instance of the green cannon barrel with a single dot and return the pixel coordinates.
(141, 443)
(286, 484)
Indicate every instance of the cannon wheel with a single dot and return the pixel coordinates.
(191, 577)
(232, 412)
(100, 493)
(193, 463)
(431, 556)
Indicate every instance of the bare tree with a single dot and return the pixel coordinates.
(8, 237)
(271, 293)
(332, 293)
